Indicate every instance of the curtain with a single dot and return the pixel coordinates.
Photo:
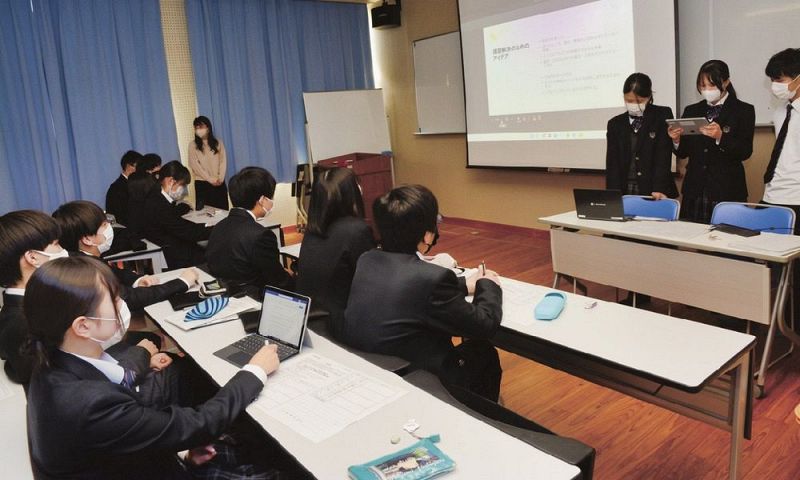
(252, 61)
(81, 82)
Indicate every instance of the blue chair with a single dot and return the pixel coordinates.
(755, 216)
(642, 206)
(763, 218)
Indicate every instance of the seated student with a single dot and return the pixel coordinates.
(401, 305)
(336, 235)
(85, 229)
(164, 226)
(28, 239)
(150, 163)
(240, 250)
(117, 194)
(85, 417)
(139, 186)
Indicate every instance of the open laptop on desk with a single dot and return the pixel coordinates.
(599, 205)
(283, 321)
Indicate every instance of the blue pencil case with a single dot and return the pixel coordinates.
(207, 308)
(550, 307)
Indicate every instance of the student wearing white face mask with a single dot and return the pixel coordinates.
(28, 240)
(84, 230)
(240, 250)
(715, 172)
(87, 416)
(164, 226)
(782, 176)
(208, 162)
(638, 150)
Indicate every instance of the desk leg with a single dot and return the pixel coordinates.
(776, 314)
(159, 262)
(784, 328)
(739, 415)
(556, 278)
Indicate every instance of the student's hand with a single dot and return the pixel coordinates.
(493, 276)
(658, 195)
(160, 361)
(149, 346)
(191, 276)
(712, 130)
(675, 134)
(148, 281)
(266, 359)
(200, 455)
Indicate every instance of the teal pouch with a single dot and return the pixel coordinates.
(550, 307)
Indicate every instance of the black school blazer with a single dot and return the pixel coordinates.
(653, 150)
(718, 169)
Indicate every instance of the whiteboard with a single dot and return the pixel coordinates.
(345, 121)
(742, 33)
(439, 84)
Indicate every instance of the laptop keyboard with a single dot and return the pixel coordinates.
(253, 343)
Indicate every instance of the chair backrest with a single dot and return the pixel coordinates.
(755, 216)
(638, 206)
(278, 231)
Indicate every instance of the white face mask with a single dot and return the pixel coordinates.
(635, 109)
(125, 316)
(108, 239)
(201, 132)
(712, 95)
(781, 90)
(178, 194)
(52, 256)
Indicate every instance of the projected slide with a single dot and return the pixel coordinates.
(543, 77)
(571, 59)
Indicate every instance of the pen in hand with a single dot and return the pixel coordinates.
(483, 268)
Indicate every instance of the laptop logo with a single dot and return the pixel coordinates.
(597, 204)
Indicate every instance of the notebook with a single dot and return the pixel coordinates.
(599, 205)
(283, 320)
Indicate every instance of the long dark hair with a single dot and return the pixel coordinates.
(717, 72)
(640, 84)
(213, 143)
(60, 291)
(335, 195)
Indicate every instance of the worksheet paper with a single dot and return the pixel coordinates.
(318, 397)
(5, 388)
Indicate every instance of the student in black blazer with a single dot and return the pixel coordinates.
(401, 305)
(86, 418)
(336, 235)
(715, 173)
(85, 229)
(638, 149)
(240, 250)
(164, 226)
(28, 239)
(117, 194)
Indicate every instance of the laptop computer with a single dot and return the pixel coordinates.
(283, 320)
(599, 205)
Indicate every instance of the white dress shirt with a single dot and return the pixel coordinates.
(107, 365)
(784, 188)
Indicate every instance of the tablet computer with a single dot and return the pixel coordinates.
(691, 126)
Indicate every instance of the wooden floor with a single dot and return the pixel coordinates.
(634, 440)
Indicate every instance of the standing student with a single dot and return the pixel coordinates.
(336, 235)
(715, 173)
(28, 240)
(164, 226)
(208, 163)
(404, 306)
(638, 149)
(240, 250)
(86, 418)
(782, 177)
(117, 194)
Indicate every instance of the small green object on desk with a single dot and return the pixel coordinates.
(550, 307)
(420, 461)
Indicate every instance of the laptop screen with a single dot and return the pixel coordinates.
(283, 316)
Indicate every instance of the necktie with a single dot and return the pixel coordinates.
(713, 112)
(776, 150)
(128, 379)
(636, 123)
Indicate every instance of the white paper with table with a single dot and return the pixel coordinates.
(318, 397)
